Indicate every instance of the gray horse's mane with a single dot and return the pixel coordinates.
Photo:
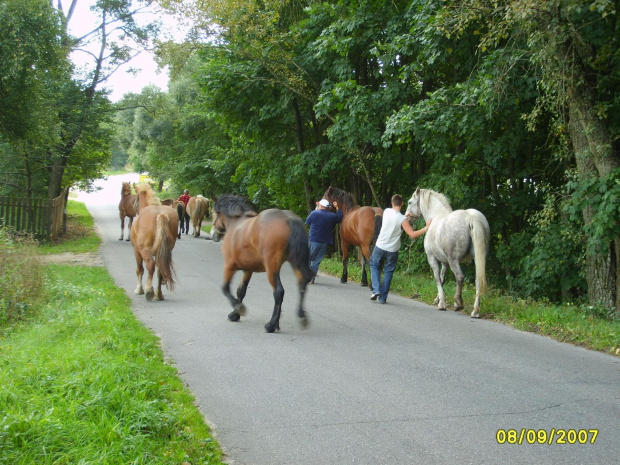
(427, 195)
(233, 206)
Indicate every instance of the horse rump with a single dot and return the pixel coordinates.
(162, 250)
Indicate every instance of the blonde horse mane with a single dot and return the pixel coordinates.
(150, 196)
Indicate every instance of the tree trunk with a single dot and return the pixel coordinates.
(595, 158)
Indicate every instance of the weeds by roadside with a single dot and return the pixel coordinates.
(21, 277)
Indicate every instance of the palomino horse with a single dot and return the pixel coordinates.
(197, 209)
(180, 208)
(360, 226)
(153, 236)
(127, 207)
(453, 237)
(260, 242)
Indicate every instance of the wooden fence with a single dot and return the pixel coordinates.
(44, 218)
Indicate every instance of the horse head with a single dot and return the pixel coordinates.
(413, 206)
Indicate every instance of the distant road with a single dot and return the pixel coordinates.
(367, 383)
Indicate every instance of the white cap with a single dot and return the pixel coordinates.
(324, 202)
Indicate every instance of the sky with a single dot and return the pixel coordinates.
(121, 82)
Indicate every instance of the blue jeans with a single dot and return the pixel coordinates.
(317, 252)
(389, 260)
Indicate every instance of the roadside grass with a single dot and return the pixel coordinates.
(83, 381)
(581, 325)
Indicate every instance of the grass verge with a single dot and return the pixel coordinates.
(584, 326)
(82, 381)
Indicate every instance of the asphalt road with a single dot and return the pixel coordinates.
(366, 383)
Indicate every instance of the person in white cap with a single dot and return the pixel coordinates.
(321, 222)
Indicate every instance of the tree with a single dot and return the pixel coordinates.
(573, 44)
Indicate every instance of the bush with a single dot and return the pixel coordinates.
(21, 276)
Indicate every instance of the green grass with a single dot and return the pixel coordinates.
(580, 325)
(83, 381)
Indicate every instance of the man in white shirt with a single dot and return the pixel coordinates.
(387, 247)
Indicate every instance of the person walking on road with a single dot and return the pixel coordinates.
(387, 247)
(321, 222)
(185, 199)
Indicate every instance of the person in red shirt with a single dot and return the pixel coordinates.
(185, 199)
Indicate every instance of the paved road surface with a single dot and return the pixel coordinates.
(366, 383)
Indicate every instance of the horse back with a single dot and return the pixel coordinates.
(449, 237)
(358, 226)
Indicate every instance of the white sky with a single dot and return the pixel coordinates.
(121, 82)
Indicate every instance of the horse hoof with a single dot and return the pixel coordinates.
(304, 322)
(150, 295)
(458, 309)
(441, 309)
(127, 239)
(475, 315)
(120, 238)
(234, 316)
(240, 309)
(343, 280)
(271, 328)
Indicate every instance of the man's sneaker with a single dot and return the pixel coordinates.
(374, 296)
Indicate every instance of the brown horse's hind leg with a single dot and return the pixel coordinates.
(278, 296)
(302, 283)
(365, 258)
(158, 294)
(150, 266)
(345, 261)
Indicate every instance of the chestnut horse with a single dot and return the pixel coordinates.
(153, 235)
(453, 237)
(180, 208)
(360, 226)
(127, 207)
(197, 209)
(257, 242)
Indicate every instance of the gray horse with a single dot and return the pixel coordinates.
(453, 237)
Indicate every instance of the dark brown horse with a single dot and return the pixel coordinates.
(127, 208)
(153, 236)
(257, 242)
(180, 208)
(360, 226)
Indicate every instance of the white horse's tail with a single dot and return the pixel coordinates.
(480, 235)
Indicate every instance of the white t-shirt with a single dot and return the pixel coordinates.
(391, 230)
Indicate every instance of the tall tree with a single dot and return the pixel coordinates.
(574, 46)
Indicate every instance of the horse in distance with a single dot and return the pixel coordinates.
(180, 208)
(360, 226)
(127, 208)
(453, 237)
(260, 242)
(197, 209)
(153, 236)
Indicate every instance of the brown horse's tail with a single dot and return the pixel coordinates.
(162, 250)
(378, 223)
(298, 253)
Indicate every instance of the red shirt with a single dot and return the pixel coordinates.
(184, 198)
